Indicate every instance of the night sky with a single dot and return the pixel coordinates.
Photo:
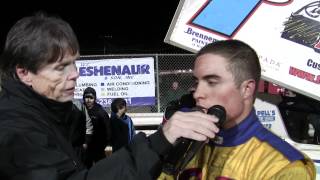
(118, 27)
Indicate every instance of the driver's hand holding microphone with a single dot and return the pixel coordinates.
(192, 125)
(188, 128)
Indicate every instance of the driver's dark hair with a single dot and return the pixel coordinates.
(243, 60)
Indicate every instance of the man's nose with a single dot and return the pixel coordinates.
(74, 74)
(198, 92)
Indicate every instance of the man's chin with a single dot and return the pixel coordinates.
(65, 99)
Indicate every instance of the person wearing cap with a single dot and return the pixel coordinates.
(82, 130)
(101, 136)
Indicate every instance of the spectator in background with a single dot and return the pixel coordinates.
(294, 109)
(298, 111)
(83, 129)
(175, 92)
(121, 124)
(101, 136)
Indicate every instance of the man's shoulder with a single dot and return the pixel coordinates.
(275, 143)
(303, 169)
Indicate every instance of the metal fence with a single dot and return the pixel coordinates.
(170, 70)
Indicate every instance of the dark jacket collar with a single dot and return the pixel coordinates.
(25, 95)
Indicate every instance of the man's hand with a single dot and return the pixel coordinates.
(193, 125)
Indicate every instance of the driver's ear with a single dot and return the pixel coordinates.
(24, 75)
(248, 88)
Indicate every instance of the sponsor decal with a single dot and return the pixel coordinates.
(304, 75)
(303, 26)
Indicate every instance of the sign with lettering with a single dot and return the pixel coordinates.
(269, 116)
(285, 34)
(130, 78)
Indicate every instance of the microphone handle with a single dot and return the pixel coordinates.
(196, 146)
(173, 159)
(185, 149)
(193, 149)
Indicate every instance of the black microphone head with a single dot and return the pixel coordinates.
(184, 103)
(171, 108)
(219, 112)
(187, 101)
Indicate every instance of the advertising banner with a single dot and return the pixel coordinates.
(285, 34)
(129, 78)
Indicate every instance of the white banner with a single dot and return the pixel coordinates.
(285, 34)
(130, 78)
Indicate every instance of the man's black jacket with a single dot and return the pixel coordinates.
(34, 143)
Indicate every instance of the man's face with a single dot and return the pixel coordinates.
(89, 100)
(214, 85)
(122, 111)
(175, 85)
(57, 80)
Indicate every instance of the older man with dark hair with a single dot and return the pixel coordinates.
(38, 79)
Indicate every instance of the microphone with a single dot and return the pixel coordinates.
(196, 146)
(185, 149)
